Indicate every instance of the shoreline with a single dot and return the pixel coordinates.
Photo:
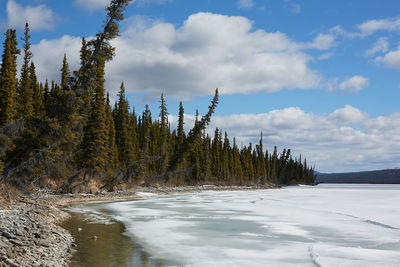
(30, 234)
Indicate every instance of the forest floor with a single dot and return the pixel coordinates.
(29, 231)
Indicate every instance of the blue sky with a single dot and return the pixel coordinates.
(318, 76)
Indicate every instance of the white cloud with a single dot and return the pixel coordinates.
(371, 26)
(93, 5)
(381, 45)
(326, 56)
(345, 140)
(348, 115)
(350, 85)
(368, 28)
(322, 42)
(391, 59)
(39, 17)
(48, 56)
(245, 3)
(354, 84)
(206, 52)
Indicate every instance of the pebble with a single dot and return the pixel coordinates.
(16, 242)
(3, 244)
(8, 235)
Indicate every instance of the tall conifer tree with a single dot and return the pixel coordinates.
(123, 137)
(65, 74)
(112, 159)
(94, 152)
(26, 85)
(38, 94)
(8, 78)
(181, 136)
(163, 136)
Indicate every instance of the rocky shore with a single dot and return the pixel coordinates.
(30, 235)
(29, 231)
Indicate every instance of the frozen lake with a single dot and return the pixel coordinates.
(325, 225)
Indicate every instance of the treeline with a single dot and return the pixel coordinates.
(391, 176)
(70, 133)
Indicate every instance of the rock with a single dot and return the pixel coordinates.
(17, 242)
(18, 233)
(79, 229)
(37, 235)
(9, 262)
(3, 245)
(44, 243)
(94, 237)
(8, 235)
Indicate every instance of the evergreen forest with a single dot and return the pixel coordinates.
(68, 135)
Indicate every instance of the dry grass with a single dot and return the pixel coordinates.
(8, 193)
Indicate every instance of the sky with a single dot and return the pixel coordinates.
(320, 77)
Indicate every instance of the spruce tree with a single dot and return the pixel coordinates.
(146, 131)
(8, 78)
(225, 172)
(181, 136)
(181, 132)
(206, 157)
(216, 154)
(274, 166)
(123, 137)
(94, 152)
(65, 74)
(195, 155)
(112, 156)
(25, 89)
(261, 161)
(163, 136)
(134, 136)
(46, 97)
(38, 94)
(84, 89)
(237, 163)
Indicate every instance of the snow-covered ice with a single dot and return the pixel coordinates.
(325, 225)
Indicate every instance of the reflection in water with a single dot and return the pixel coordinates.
(105, 245)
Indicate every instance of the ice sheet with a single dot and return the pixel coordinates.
(336, 225)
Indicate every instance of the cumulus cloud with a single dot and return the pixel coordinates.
(350, 85)
(348, 115)
(322, 42)
(93, 5)
(39, 17)
(206, 52)
(368, 28)
(371, 26)
(381, 45)
(48, 56)
(391, 59)
(345, 140)
(245, 3)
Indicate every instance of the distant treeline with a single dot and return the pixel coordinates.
(371, 177)
(69, 133)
